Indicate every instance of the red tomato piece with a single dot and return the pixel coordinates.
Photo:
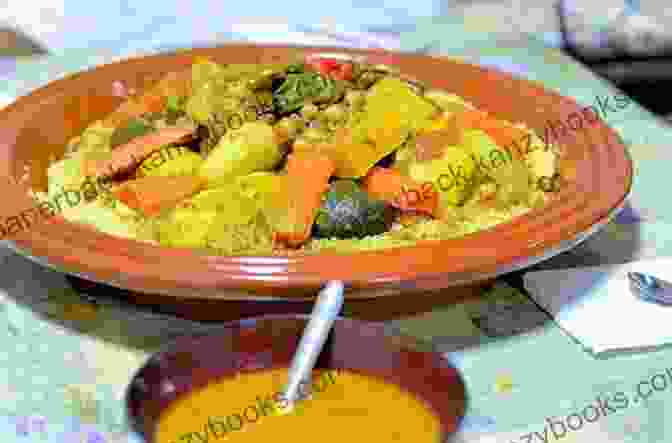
(326, 66)
(345, 72)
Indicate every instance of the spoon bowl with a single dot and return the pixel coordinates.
(650, 288)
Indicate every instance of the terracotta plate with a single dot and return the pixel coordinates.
(595, 165)
(269, 342)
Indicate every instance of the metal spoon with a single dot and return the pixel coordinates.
(649, 288)
(328, 305)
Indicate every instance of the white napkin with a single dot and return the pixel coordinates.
(594, 305)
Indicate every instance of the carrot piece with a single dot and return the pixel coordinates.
(127, 156)
(153, 99)
(151, 195)
(401, 191)
(308, 178)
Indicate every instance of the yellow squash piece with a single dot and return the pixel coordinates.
(271, 192)
(171, 162)
(352, 157)
(252, 148)
(222, 217)
(393, 112)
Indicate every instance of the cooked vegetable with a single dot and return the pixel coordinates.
(308, 177)
(335, 113)
(185, 227)
(334, 68)
(349, 212)
(129, 155)
(401, 191)
(225, 199)
(170, 162)
(271, 192)
(253, 147)
(152, 195)
(352, 159)
(392, 113)
(391, 96)
(446, 101)
(223, 219)
(237, 159)
(222, 93)
(453, 175)
(295, 68)
(301, 88)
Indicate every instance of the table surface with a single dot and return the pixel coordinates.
(65, 360)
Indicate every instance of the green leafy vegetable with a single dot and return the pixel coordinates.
(295, 68)
(347, 211)
(301, 88)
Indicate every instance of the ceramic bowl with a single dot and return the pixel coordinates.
(596, 170)
(269, 342)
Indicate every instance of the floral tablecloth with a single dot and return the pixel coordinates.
(65, 360)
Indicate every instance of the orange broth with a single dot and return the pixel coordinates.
(344, 407)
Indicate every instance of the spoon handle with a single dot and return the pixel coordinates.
(328, 305)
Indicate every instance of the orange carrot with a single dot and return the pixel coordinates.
(401, 191)
(151, 195)
(308, 178)
(127, 156)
